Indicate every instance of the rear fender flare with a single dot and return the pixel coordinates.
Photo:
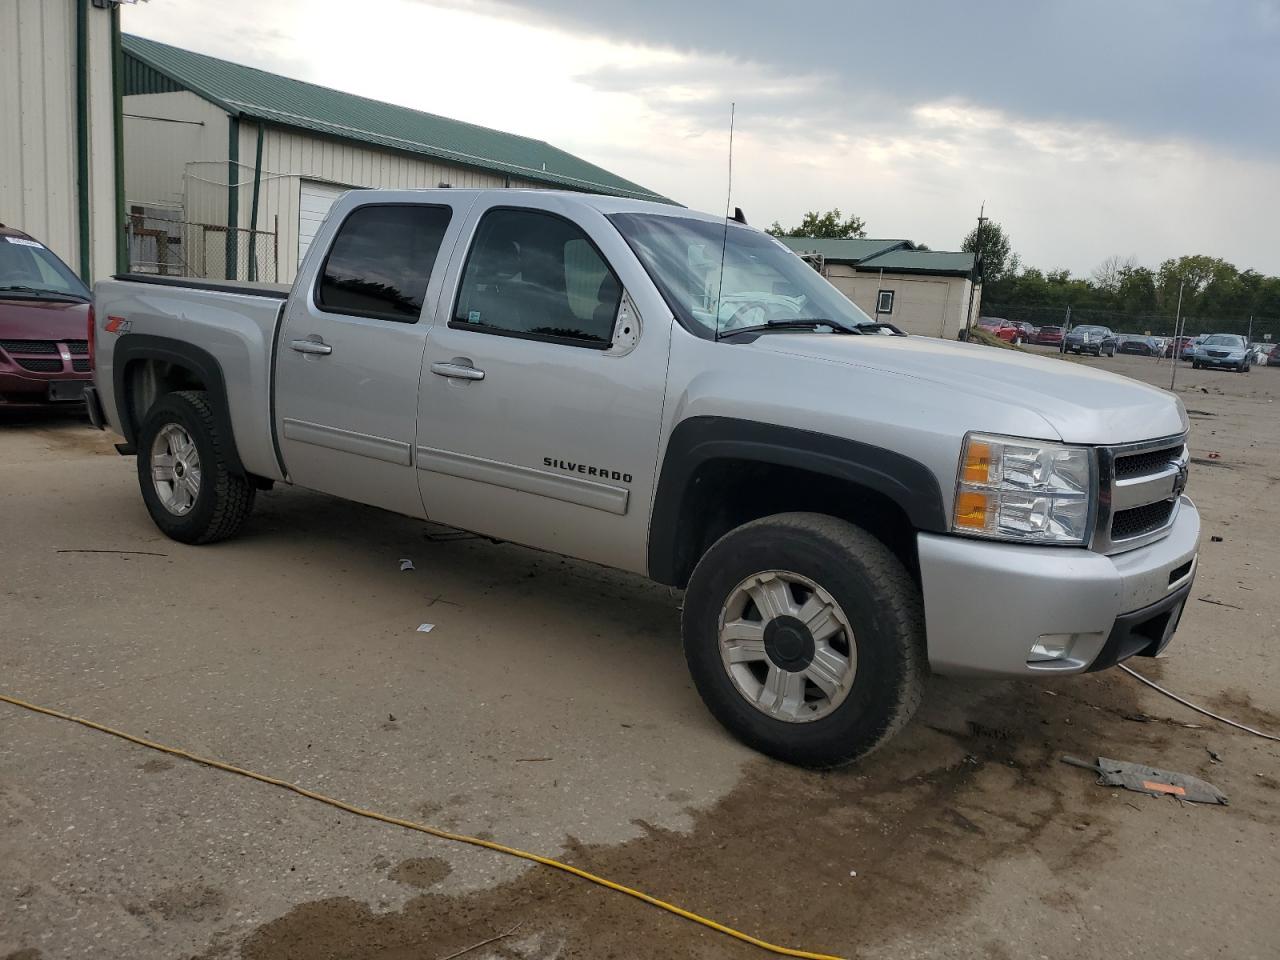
(133, 347)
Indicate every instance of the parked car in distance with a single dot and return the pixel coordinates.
(1004, 329)
(44, 313)
(832, 552)
(1029, 330)
(1090, 338)
(1227, 350)
(1273, 358)
(1261, 351)
(1189, 346)
(1137, 345)
(1050, 336)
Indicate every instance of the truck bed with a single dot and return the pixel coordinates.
(233, 323)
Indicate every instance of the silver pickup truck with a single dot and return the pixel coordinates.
(677, 395)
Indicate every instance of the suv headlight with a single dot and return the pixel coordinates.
(1024, 490)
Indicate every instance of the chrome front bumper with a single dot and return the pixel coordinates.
(987, 604)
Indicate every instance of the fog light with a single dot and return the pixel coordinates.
(1051, 646)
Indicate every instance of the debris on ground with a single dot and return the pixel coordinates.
(1215, 539)
(406, 564)
(426, 627)
(1152, 781)
(1214, 455)
(1220, 603)
(1214, 756)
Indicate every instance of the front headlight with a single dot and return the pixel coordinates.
(1024, 490)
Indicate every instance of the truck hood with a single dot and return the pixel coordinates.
(43, 320)
(1079, 404)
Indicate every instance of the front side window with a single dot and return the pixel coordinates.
(884, 302)
(381, 261)
(719, 278)
(536, 275)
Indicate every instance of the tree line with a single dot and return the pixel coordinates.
(1123, 294)
(1119, 292)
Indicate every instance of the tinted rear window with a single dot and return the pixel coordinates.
(381, 261)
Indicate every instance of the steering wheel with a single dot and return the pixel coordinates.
(753, 313)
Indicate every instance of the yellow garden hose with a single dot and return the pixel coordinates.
(423, 828)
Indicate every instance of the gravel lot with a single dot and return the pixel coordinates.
(550, 708)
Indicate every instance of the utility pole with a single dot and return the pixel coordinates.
(1173, 375)
(977, 265)
(1249, 335)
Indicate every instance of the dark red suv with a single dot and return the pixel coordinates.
(44, 317)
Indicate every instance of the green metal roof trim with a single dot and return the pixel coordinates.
(141, 78)
(921, 261)
(258, 95)
(844, 251)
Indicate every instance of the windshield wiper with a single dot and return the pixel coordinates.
(794, 323)
(18, 288)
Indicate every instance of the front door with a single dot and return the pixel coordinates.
(543, 382)
(350, 352)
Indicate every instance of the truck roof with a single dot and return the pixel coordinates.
(604, 203)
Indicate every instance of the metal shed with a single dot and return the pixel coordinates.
(211, 144)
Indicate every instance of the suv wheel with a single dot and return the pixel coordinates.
(805, 638)
(189, 490)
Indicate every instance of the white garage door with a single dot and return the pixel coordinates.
(313, 205)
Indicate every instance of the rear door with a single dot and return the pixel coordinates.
(543, 383)
(350, 350)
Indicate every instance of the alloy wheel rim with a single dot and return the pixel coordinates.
(787, 646)
(175, 469)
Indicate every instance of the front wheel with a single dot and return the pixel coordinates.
(190, 491)
(805, 637)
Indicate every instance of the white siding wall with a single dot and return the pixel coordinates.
(924, 305)
(301, 157)
(38, 190)
(157, 149)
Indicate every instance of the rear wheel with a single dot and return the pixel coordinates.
(190, 491)
(805, 637)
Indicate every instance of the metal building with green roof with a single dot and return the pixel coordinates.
(929, 292)
(210, 143)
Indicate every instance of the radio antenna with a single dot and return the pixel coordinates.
(724, 241)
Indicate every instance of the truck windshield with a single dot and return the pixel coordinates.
(763, 284)
(30, 269)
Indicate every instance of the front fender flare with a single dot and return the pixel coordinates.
(907, 482)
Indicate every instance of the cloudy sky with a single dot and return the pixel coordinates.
(1089, 128)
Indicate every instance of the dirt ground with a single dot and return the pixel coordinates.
(550, 708)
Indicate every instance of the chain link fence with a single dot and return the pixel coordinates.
(162, 243)
(1260, 329)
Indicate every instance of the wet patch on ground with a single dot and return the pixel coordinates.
(421, 872)
(898, 843)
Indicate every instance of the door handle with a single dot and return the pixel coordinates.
(317, 347)
(459, 368)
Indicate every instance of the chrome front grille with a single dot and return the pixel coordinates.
(1139, 485)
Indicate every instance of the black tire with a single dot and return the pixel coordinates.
(880, 601)
(224, 498)
(1195, 365)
